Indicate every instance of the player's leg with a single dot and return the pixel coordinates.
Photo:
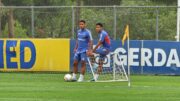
(102, 52)
(75, 66)
(75, 70)
(83, 67)
(101, 61)
(83, 57)
(92, 59)
(100, 67)
(83, 70)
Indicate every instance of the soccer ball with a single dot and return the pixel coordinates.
(67, 77)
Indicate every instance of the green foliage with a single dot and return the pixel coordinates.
(57, 22)
(17, 2)
(19, 32)
(95, 15)
(102, 2)
(53, 22)
(37, 2)
(167, 25)
(165, 2)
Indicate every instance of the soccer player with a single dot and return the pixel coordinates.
(83, 44)
(102, 48)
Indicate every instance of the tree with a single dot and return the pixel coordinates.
(10, 14)
(57, 22)
(165, 2)
(101, 2)
(10, 24)
(0, 18)
(17, 29)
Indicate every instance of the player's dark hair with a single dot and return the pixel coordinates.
(100, 24)
(82, 21)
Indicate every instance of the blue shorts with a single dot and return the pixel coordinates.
(80, 56)
(102, 52)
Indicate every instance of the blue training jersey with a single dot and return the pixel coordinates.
(105, 39)
(83, 38)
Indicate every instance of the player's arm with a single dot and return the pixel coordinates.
(98, 45)
(76, 46)
(90, 44)
(101, 39)
(90, 40)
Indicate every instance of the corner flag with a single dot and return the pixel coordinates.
(126, 34)
(126, 37)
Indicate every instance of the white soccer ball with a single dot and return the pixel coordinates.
(67, 77)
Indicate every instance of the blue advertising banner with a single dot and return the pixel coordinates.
(146, 57)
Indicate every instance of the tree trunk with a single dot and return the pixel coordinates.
(0, 19)
(77, 16)
(10, 24)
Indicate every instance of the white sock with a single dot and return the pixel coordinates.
(96, 76)
(73, 75)
(81, 76)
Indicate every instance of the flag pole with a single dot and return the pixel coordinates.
(129, 79)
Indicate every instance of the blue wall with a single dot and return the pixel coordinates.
(162, 57)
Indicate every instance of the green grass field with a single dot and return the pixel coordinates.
(51, 87)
